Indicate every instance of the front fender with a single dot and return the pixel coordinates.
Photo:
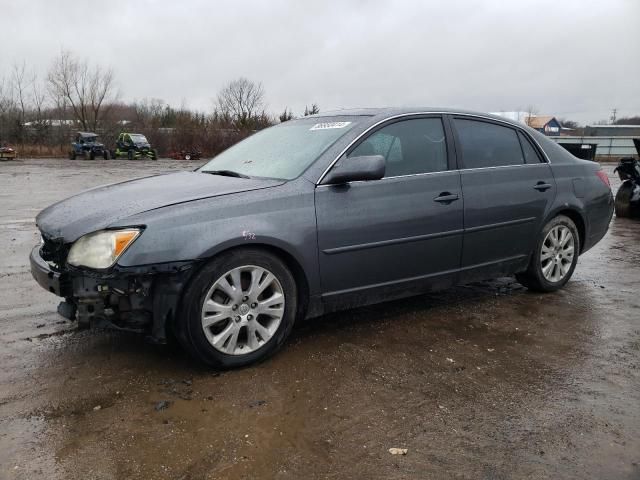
(279, 217)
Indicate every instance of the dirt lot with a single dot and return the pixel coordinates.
(483, 381)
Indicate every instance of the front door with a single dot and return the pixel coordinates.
(402, 232)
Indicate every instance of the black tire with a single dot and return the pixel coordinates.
(92, 155)
(533, 278)
(131, 155)
(106, 155)
(154, 155)
(72, 155)
(189, 323)
(623, 200)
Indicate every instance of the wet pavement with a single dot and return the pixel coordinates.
(486, 381)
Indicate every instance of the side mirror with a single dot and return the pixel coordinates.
(352, 169)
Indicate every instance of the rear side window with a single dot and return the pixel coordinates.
(488, 145)
(409, 147)
(530, 154)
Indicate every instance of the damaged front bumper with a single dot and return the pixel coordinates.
(136, 299)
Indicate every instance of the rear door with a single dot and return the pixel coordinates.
(401, 232)
(508, 188)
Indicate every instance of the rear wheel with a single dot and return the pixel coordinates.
(554, 258)
(131, 155)
(239, 309)
(106, 155)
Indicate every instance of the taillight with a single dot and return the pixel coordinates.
(602, 175)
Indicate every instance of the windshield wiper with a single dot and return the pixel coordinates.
(226, 173)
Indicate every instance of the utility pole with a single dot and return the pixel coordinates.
(613, 115)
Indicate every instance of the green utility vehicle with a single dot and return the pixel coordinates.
(133, 146)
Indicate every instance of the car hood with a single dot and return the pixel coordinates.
(100, 207)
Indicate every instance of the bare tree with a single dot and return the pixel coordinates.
(313, 110)
(89, 91)
(21, 83)
(285, 116)
(531, 113)
(242, 100)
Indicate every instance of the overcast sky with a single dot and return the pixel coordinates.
(576, 59)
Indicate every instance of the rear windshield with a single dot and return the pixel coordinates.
(283, 151)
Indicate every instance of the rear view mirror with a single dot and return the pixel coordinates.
(352, 169)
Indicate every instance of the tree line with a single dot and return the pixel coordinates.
(40, 114)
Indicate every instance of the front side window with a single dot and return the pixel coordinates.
(283, 151)
(487, 144)
(409, 147)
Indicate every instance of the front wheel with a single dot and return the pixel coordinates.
(555, 256)
(131, 155)
(239, 309)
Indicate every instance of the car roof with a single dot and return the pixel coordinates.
(87, 134)
(387, 112)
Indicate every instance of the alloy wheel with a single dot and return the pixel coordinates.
(558, 250)
(242, 310)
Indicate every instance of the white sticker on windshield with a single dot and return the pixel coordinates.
(328, 125)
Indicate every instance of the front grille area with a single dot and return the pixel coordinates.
(54, 251)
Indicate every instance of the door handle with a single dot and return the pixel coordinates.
(446, 197)
(542, 186)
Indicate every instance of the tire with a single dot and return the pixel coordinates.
(187, 157)
(106, 155)
(131, 155)
(541, 274)
(623, 199)
(72, 155)
(92, 156)
(204, 286)
(154, 155)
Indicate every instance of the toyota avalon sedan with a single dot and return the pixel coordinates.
(317, 214)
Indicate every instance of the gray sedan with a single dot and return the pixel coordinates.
(317, 214)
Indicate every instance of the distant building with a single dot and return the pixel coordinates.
(546, 124)
(612, 131)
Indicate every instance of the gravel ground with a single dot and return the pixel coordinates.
(481, 381)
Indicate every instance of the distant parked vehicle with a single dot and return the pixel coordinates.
(86, 146)
(189, 154)
(7, 153)
(133, 146)
(628, 196)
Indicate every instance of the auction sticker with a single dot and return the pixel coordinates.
(328, 125)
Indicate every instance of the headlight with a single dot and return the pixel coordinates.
(101, 249)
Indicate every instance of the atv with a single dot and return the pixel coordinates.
(133, 146)
(7, 153)
(86, 146)
(188, 154)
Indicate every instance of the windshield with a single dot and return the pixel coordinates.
(139, 139)
(283, 151)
